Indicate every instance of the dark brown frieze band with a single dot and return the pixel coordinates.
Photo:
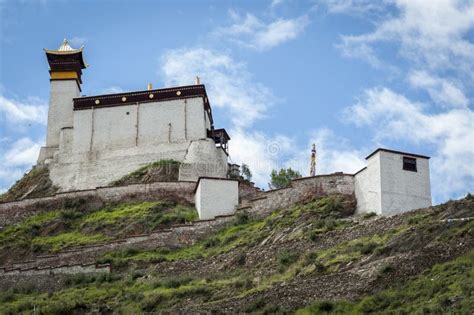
(129, 98)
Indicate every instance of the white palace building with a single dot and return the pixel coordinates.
(94, 140)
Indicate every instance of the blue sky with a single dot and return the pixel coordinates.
(347, 75)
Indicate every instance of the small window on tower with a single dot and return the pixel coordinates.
(409, 164)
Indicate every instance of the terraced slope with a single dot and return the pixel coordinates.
(310, 258)
(73, 226)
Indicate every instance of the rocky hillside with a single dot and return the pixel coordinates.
(313, 257)
(35, 183)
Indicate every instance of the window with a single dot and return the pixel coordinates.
(409, 164)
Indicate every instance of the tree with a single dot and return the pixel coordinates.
(245, 172)
(282, 178)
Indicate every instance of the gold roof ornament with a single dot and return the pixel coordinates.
(64, 49)
(65, 46)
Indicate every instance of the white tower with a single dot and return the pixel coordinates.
(66, 66)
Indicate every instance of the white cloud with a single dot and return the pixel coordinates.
(430, 33)
(440, 90)
(23, 152)
(228, 82)
(15, 159)
(260, 152)
(251, 32)
(451, 133)
(353, 6)
(31, 110)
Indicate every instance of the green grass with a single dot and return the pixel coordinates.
(64, 240)
(59, 229)
(445, 288)
(243, 234)
(166, 170)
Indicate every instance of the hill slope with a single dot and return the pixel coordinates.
(310, 258)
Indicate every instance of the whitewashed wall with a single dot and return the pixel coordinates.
(108, 143)
(403, 190)
(216, 197)
(60, 113)
(367, 187)
(139, 125)
(203, 159)
(386, 189)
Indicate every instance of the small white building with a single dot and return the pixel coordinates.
(393, 182)
(216, 197)
(94, 140)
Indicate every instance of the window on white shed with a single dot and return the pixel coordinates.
(409, 164)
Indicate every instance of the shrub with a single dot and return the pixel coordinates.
(136, 274)
(70, 214)
(172, 283)
(271, 309)
(333, 205)
(325, 306)
(257, 304)
(286, 258)
(149, 303)
(74, 203)
(369, 215)
(310, 257)
(211, 242)
(240, 259)
(7, 296)
(246, 283)
(242, 217)
(365, 248)
(387, 268)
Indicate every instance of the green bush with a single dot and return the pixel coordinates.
(256, 305)
(365, 248)
(325, 306)
(387, 269)
(211, 242)
(287, 258)
(172, 283)
(7, 296)
(369, 215)
(242, 217)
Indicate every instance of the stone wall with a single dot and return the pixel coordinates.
(46, 278)
(302, 189)
(16, 211)
(51, 270)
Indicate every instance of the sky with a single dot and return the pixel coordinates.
(348, 75)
